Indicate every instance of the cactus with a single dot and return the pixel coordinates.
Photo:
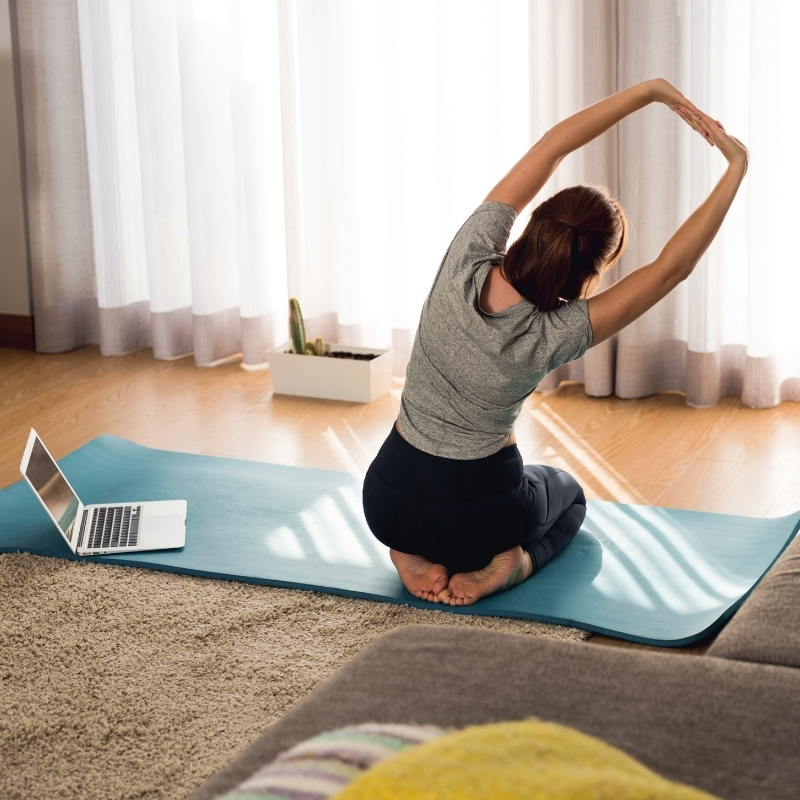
(297, 328)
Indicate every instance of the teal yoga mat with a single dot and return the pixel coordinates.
(652, 575)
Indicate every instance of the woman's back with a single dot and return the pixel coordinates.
(470, 370)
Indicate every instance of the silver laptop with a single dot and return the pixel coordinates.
(100, 528)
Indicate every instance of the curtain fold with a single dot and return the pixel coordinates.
(58, 194)
(723, 331)
(193, 163)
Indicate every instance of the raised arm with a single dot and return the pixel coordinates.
(532, 171)
(629, 298)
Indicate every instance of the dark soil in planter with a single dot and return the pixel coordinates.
(346, 354)
(354, 356)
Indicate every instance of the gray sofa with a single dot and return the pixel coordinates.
(727, 722)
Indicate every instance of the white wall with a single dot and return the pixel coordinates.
(14, 288)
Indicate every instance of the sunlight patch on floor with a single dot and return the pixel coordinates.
(336, 446)
(617, 487)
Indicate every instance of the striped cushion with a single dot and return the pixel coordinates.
(320, 767)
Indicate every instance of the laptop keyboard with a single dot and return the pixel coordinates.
(114, 526)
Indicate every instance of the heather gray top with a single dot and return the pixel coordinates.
(470, 371)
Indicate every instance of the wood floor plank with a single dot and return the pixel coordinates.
(745, 432)
(650, 442)
(27, 374)
(610, 422)
(660, 447)
(611, 427)
(768, 474)
(762, 481)
(699, 486)
(788, 501)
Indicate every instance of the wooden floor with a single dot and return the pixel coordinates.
(729, 459)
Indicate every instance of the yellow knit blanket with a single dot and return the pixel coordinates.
(514, 760)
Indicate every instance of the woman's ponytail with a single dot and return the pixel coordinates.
(570, 239)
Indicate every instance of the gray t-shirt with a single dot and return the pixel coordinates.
(470, 371)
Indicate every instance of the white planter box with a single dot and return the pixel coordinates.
(331, 378)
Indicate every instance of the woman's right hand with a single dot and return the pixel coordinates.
(716, 135)
(662, 91)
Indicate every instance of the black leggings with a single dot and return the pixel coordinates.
(463, 513)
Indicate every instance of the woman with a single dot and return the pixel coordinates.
(448, 493)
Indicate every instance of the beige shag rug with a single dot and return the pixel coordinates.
(118, 682)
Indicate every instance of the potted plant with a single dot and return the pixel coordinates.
(330, 371)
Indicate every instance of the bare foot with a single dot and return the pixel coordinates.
(424, 579)
(503, 571)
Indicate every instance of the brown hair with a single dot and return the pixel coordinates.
(568, 242)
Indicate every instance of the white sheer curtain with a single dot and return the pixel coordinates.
(239, 151)
(729, 329)
(192, 163)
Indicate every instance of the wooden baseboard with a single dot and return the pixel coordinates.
(16, 331)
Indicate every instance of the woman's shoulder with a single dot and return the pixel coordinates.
(491, 212)
(487, 228)
(481, 240)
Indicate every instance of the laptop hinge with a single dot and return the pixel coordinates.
(83, 528)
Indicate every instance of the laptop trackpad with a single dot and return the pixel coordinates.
(163, 525)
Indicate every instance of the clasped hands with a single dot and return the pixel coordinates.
(711, 130)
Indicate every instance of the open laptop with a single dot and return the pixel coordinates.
(100, 528)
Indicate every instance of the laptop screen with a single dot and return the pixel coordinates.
(54, 491)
